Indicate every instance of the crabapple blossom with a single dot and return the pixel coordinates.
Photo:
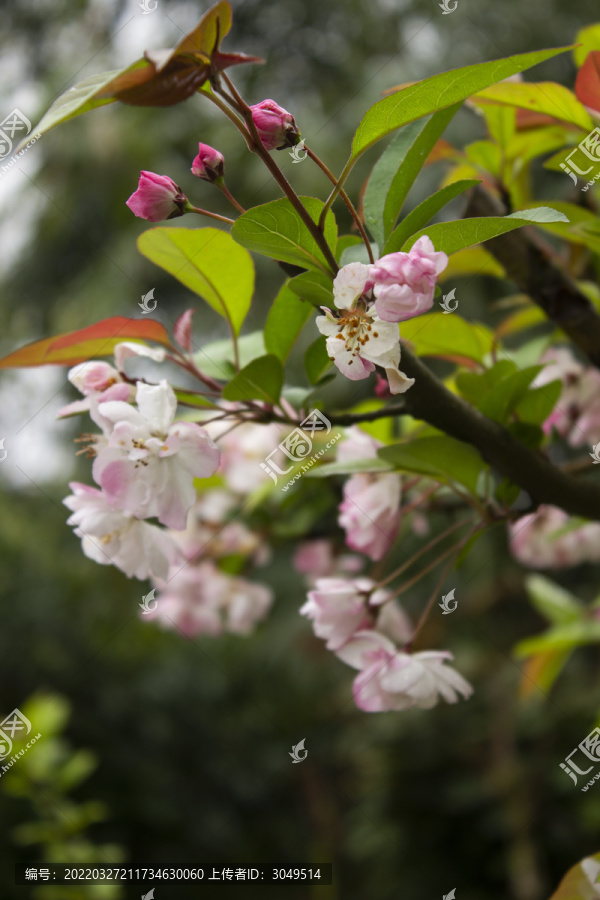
(148, 462)
(275, 125)
(544, 540)
(242, 451)
(338, 608)
(203, 600)
(157, 198)
(576, 415)
(209, 164)
(316, 559)
(390, 679)
(95, 379)
(111, 536)
(404, 283)
(128, 349)
(370, 511)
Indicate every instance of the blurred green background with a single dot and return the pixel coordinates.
(191, 738)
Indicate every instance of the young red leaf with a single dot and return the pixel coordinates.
(182, 332)
(86, 343)
(587, 85)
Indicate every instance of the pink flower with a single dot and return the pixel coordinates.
(392, 680)
(203, 600)
(276, 126)
(549, 539)
(404, 283)
(339, 606)
(316, 559)
(370, 511)
(111, 536)
(157, 198)
(576, 415)
(148, 463)
(94, 379)
(209, 164)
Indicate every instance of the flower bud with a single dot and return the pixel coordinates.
(157, 198)
(276, 126)
(209, 165)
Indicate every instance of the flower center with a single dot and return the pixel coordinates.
(356, 329)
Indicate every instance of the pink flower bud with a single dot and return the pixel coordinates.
(404, 283)
(276, 126)
(209, 165)
(157, 198)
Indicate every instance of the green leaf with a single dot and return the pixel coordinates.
(450, 337)
(485, 155)
(276, 230)
(316, 287)
(538, 403)
(502, 399)
(217, 359)
(580, 883)
(545, 97)
(188, 398)
(382, 177)
(351, 467)
(425, 211)
(345, 241)
(443, 458)
(552, 601)
(474, 386)
(438, 92)
(207, 261)
(316, 360)
(79, 99)
(568, 635)
(262, 379)
(285, 321)
(357, 252)
(456, 235)
(588, 40)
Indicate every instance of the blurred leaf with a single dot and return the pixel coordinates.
(316, 360)
(188, 398)
(545, 97)
(351, 467)
(500, 401)
(580, 882)
(345, 242)
(443, 458)
(86, 343)
(587, 39)
(217, 359)
(587, 84)
(474, 386)
(521, 320)
(438, 92)
(570, 635)
(276, 230)
(450, 337)
(552, 601)
(453, 236)
(538, 403)
(485, 155)
(316, 287)
(472, 261)
(539, 672)
(79, 767)
(285, 321)
(262, 379)
(425, 211)
(207, 261)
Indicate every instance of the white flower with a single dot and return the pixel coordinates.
(148, 463)
(111, 536)
(349, 284)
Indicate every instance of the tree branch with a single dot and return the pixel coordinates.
(527, 264)
(430, 401)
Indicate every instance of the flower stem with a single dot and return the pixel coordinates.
(346, 200)
(242, 107)
(211, 215)
(423, 550)
(225, 190)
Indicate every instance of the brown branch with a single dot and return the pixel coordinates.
(430, 401)
(527, 263)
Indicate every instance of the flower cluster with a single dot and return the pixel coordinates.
(576, 416)
(362, 625)
(145, 465)
(550, 538)
(372, 299)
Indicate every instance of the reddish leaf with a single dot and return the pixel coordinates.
(587, 86)
(86, 343)
(182, 331)
(170, 76)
